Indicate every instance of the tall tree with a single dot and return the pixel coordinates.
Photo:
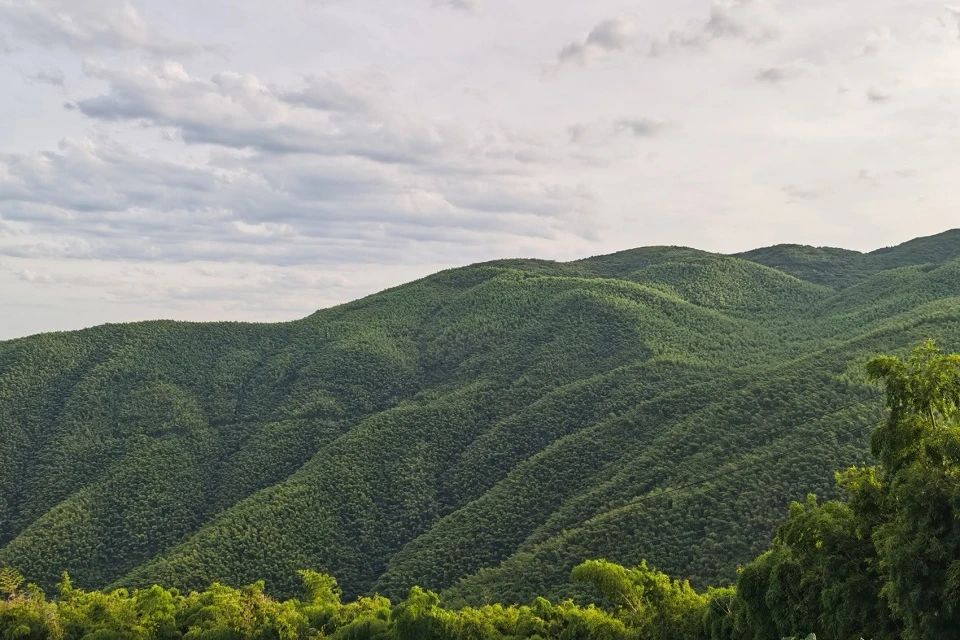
(919, 448)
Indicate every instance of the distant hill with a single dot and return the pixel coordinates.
(477, 432)
(840, 268)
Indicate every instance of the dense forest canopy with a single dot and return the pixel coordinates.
(882, 563)
(480, 432)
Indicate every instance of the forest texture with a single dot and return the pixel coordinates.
(883, 562)
(480, 432)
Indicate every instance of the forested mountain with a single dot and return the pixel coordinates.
(479, 432)
(880, 562)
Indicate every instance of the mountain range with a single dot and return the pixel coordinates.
(477, 432)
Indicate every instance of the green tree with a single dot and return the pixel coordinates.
(819, 576)
(25, 613)
(420, 617)
(658, 607)
(225, 613)
(919, 449)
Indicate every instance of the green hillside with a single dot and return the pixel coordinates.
(479, 432)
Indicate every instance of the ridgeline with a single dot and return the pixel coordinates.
(479, 432)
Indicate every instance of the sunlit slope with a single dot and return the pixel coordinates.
(477, 431)
(393, 475)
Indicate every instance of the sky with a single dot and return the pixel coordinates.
(256, 161)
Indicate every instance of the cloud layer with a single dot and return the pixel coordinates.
(87, 26)
(229, 160)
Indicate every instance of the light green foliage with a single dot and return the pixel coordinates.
(10, 581)
(24, 612)
(224, 613)
(656, 606)
(143, 615)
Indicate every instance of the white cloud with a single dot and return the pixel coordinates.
(348, 146)
(726, 20)
(96, 199)
(878, 40)
(614, 34)
(640, 127)
(85, 26)
(784, 72)
(264, 229)
(461, 5)
(954, 14)
(878, 95)
(747, 20)
(51, 76)
(326, 117)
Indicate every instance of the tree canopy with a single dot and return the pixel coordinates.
(880, 562)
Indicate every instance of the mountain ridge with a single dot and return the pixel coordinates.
(483, 423)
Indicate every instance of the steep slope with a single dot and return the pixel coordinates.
(478, 431)
(389, 478)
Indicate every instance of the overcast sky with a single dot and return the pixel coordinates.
(253, 160)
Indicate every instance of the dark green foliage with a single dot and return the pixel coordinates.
(885, 563)
(837, 268)
(882, 564)
(918, 543)
(479, 432)
(840, 268)
(820, 575)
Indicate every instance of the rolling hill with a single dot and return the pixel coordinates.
(477, 432)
